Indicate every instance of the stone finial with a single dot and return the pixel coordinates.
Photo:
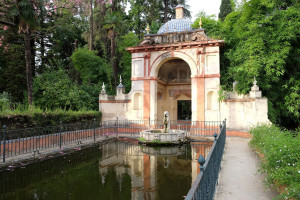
(254, 87)
(148, 29)
(103, 91)
(234, 85)
(120, 84)
(200, 22)
(255, 92)
(254, 82)
(120, 87)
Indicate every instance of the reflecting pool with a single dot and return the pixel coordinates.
(115, 170)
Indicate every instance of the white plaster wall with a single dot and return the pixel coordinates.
(212, 85)
(242, 115)
(137, 68)
(112, 111)
(153, 97)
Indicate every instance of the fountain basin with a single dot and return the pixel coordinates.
(158, 137)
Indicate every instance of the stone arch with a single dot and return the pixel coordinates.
(137, 101)
(161, 59)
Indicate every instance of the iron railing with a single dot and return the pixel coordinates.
(33, 140)
(204, 186)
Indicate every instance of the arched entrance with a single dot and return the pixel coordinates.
(174, 90)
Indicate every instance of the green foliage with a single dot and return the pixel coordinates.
(54, 89)
(65, 38)
(262, 40)
(281, 158)
(91, 67)
(12, 64)
(90, 95)
(128, 40)
(141, 139)
(23, 116)
(209, 24)
(154, 27)
(5, 101)
(225, 9)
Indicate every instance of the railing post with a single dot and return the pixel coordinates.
(4, 141)
(117, 126)
(201, 161)
(94, 129)
(60, 134)
(215, 136)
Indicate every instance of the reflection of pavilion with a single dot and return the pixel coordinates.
(128, 158)
(141, 164)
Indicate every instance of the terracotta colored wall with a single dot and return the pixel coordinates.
(146, 99)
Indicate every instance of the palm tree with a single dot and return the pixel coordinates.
(24, 15)
(113, 22)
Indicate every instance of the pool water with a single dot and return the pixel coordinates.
(115, 170)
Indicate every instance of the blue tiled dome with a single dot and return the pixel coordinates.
(176, 25)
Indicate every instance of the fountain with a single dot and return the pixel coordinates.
(163, 136)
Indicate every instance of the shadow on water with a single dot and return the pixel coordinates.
(115, 170)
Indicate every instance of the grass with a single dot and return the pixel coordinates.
(280, 152)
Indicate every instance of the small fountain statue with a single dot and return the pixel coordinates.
(163, 136)
(166, 122)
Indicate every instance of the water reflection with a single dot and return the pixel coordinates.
(115, 170)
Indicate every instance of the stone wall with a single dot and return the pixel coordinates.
(245, 111)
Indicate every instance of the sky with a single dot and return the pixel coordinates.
(210, 7)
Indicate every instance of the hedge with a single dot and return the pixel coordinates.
(40, 118)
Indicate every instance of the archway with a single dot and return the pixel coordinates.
(173, 88)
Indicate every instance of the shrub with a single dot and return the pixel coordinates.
(4, 101)
(281, 158)
(54, 90)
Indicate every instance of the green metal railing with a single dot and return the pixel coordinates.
(204, 186)
(33, 140)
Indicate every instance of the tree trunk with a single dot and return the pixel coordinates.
(28, 66)
(42, 66)
(33, 54)
(166, 11)
(113, 57)
(91, 26)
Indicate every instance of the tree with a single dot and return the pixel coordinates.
(225, 9)
(24, 16)
(262, 40)
(12, 64)
(112, 24)
(153, 12)
(129, 40)
(54, 89)
(92, 68)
